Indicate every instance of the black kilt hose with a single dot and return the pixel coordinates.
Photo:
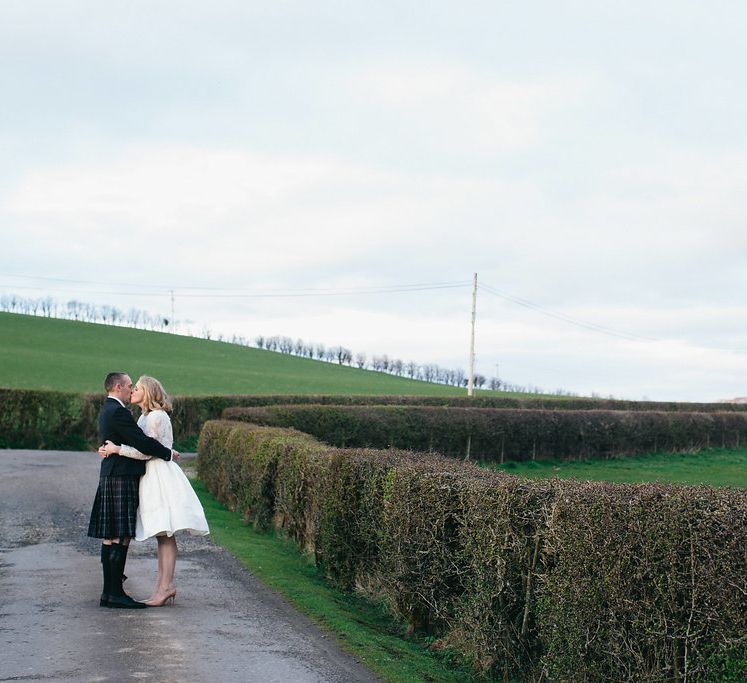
(115, 507)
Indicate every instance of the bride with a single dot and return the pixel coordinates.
(167, 502)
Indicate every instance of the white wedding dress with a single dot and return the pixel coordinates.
(167, 502)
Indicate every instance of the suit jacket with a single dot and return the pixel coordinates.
(118, 426)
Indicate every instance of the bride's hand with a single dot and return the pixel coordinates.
(102, 451)
(110, 448)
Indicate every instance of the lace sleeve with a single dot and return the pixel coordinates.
(131, 452)
(157, 425)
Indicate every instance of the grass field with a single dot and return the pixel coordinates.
(44, 353)
(713, 467)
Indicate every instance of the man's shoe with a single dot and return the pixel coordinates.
(124, 602)
(104, 601)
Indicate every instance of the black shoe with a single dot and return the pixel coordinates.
(124, 602)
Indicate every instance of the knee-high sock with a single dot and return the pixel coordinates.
(106, 566)
(117, 559)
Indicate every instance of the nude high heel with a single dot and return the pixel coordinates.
(168, 599)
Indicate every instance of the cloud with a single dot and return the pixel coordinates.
(231, 210)
(460, 107)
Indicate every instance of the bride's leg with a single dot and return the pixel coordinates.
(168, 552)
(160, 568)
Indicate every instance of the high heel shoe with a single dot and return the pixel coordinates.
(168, 599)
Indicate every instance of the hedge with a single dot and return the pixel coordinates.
(52, 419)
(530, 580)
(495, 435)
(482, 401)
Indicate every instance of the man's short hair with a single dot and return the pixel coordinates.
(112, 379)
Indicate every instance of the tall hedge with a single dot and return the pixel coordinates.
(52, 419)
(496, 435)
(531, 580)
(47, 419)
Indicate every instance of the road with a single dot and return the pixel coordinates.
(224, 626)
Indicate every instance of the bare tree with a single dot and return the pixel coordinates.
(360, 360)
(343, 355)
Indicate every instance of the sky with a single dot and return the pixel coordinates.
(288, 168)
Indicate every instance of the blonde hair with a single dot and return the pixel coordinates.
(154, 395)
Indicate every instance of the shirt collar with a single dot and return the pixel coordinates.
(118, 401)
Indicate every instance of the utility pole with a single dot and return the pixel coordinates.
(471, 381)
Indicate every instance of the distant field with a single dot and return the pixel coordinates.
(713, 467)
(43, 353)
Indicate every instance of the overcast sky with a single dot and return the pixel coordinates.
(585, 157)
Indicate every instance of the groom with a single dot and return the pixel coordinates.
(115, 507)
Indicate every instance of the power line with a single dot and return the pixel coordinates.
(228, 293)
(629, 336)
(311, 292)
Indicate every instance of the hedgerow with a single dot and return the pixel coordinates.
(495, 435)
(531, 580)
(52, 419)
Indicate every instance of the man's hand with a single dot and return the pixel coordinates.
(175, 455)
(109, 448)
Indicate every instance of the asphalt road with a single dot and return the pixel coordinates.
(224, 626)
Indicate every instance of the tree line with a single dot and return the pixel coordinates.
(48, 307)
(111, 315)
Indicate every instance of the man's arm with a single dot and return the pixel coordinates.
(133, 436)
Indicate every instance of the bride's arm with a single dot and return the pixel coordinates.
(124, 450)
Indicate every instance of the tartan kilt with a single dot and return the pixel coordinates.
(114, 510)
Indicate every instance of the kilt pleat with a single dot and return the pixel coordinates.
(114, 511)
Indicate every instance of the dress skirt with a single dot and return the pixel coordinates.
(168, 503)
(115, 508)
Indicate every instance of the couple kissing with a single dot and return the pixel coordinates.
(142, 492)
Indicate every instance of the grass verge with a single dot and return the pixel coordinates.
(713, 467)
(361, 628)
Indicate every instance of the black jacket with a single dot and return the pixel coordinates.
(118, 426)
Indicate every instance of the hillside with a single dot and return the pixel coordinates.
(45, 353)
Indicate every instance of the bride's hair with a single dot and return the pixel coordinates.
(154, 395)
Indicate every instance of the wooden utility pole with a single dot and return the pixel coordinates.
(471, 380)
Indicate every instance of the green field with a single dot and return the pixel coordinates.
(43, 353)
(65, 355)
(713, 467)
